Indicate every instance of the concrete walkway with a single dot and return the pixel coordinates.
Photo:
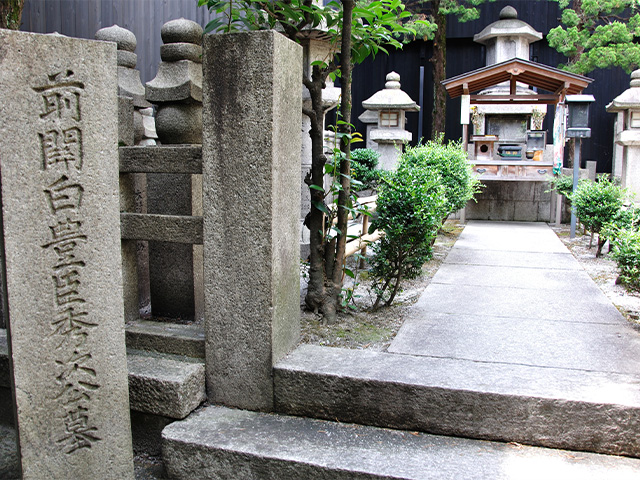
(511, 293)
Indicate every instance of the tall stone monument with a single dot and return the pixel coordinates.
(59, 177)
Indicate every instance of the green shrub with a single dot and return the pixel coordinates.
(597, 204)
(411, 205)
(626, 252)
(563, 184)
(363, 169)
(450, 162)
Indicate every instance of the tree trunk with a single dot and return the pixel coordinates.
(334, 282)
(439, 64)
(11, 14)
(316, 288)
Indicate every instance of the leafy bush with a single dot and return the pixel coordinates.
(598, 203)
(450, 163)
(563, 184)
(626, 252)
(411, 205)
(363, 168)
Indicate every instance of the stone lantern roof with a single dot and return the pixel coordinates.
(507, 38)
(391, 97)
(508, 26)
(630, 98)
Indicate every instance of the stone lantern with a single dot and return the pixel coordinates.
(627, 106)
(390, 105)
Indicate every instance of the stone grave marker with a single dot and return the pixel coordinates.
(60, 216)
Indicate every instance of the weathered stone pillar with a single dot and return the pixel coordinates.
(251, 154)
(177, 91)
(61, 225)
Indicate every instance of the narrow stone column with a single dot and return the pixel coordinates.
(176, 269)
(251, 154)
(133, 195)
(61, 236)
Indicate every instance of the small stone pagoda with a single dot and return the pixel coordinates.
(389, 106)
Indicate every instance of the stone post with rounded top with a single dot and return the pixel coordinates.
(132, 109)
(176, 269)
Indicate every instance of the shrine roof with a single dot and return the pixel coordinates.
(543, 77)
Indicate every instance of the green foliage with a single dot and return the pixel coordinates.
(626, 252)
(598, 34)
(463, 10)
(411, 205)
(450, 163)
(563, 184)
(363, 169)
(597, 203)
(376, 25)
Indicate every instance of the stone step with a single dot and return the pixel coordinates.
(167, 385)
(165, 337)
(218, 442)
(550, 407)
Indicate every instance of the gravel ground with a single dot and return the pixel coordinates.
(363, 328)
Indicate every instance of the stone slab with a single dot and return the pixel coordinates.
(559, 408)
(508, 236)
(539, 279)
(545, 343)
(161, 159)
(164, 337)
(161, 228)
(585, 305)
(224, 443)
(165, 385)
(251, 155)
(557, 261)
(59, 168)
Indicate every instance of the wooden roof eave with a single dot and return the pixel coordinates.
(518, 70)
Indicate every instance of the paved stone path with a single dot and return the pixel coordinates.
(511, 293)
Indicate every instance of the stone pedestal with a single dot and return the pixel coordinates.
(251, 155)
(60, 215)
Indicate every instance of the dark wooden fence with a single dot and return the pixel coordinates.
(82, 18)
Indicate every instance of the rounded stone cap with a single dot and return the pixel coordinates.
(508, 12)
(393, 80)
(390, 97)
(181, 31)
(125, 39)
(635, 79)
